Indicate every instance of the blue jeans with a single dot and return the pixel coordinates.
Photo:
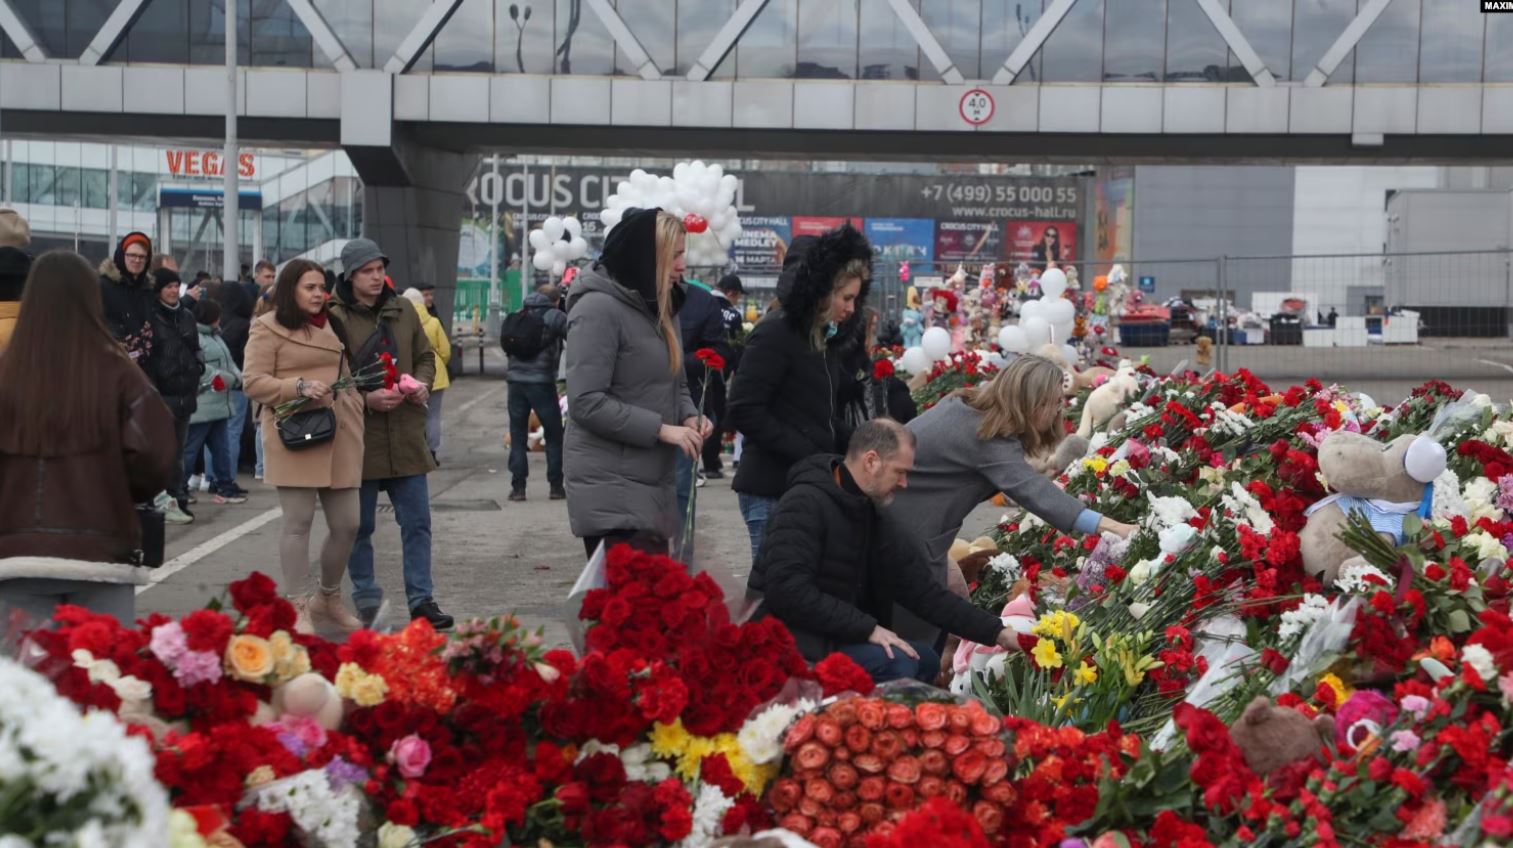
(235, 426)
(756, 510)
(412, 511)
(875, 661)
(257, 439)
(541, 398)
(683, 548)
(209, 436)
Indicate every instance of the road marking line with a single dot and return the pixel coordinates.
(463, 410)
(1503, 365)
(204, 549)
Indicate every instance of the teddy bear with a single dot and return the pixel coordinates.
(1108, 399)
(912, 323)
(1073, 380)
(309, 695)
(1385, 482)
(1205, 352)
(1271, 736)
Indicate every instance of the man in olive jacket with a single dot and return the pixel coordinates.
(371, 319)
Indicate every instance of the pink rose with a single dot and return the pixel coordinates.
(411, 754)
(409, 385)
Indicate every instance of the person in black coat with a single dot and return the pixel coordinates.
(126, 288)
(175, 368)
(784, 400)
(703, 325)
(833, 565)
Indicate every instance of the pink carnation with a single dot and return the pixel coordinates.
(168, 643)
(197, 667)
(305, 729)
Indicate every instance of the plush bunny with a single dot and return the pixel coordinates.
(1385, 482)
(309, 695)
(1107, 400)
(1271, 736)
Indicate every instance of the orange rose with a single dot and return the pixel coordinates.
(873, 715)
(869, 763)
(969, 767)
(828, 731)
(249, 658)
(997, 770)
(931, 716)
(960, 719)
(984, 724)
(1000, 793)
(844, 776)
(858, 738)
(812, 755)
(990, 748)
(933, 738)
(905, 769)
(955, 745)
(849, 822)
(930, 786)
(886, 744)
(871, 789)
(872, 813)
(899, 796)
(899, 716)
(989, 816)
(934, 762)
(801, 731)
(910, 737)
(785, 794)
(819, 790)
(844, 712)
(797, 823)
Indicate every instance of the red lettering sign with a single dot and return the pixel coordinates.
(208, 163)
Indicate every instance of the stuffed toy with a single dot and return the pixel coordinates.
(1205, 352)
(309, 695)
(1074, 380)
(1385, 482)
(1271, 736)
(972, 556)
(1106, 401)
(912, 323)
(1071, 449)
(1358, 723)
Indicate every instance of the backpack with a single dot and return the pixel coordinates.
(522, 334)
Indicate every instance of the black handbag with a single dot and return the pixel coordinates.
(150, 555)
(307, 429)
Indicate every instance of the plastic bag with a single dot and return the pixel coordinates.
(592, 577)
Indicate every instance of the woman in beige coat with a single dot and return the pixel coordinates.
(292, 353)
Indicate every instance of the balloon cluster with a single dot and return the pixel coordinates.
(1042, 321)
(558, 242)
(694, 191)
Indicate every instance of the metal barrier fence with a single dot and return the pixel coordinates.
(1382, 322)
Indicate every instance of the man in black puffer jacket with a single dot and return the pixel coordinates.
(127, 291)
(832, 564)
(175, 368)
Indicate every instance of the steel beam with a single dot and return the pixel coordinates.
(325, 37)
(1033, 41)
(725, 39)
(1346, 42)
(421, 36)
(1238, 43)
(927, 41)
(626, 39)
(20, 34)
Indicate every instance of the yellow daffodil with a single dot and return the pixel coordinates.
(1046, 654)
(1086, 674)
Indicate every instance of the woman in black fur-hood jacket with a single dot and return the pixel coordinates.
(784, 400)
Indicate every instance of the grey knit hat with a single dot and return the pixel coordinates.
(359, 252)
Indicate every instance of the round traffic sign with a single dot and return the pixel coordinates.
(977, 107)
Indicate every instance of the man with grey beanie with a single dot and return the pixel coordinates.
(371, 320)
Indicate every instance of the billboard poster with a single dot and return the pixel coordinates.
(817, 225)
(1114, 215)
(1038, 242)
(967, 241)
(902, 239)
(763, 242)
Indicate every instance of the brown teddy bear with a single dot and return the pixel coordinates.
(1386, 482)
(1271, 736)
(1205, 352)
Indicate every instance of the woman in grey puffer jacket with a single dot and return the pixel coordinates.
(629, 410)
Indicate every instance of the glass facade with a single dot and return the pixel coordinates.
(1138, 41)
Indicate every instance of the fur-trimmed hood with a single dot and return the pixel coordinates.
(815, 279)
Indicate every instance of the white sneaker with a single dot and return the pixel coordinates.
(204, 484)
(171, 512)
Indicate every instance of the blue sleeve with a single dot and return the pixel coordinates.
(1087, 521)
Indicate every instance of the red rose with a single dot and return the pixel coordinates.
(255, 590)
(882, 369)
(403, 811)
(931, 716)
(905, 769)
(839, 673)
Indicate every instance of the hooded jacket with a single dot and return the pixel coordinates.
(394, 443)
(621, 389)
(786, 400)
(176, 364)
(542, 368)
(215, 405)
(832, 566)
(128, 301)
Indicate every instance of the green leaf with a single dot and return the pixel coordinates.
(1460, 621)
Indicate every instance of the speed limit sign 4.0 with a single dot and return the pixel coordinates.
(977, 107)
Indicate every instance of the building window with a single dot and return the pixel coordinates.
(888, 51)
(161, 34)
(352, 23)
(1316, 24)
(278, 38)
(1004, 25)
(827, 39)
(654, 23)
(957, 25)
(1135, 39)
(1074, 52)
(1267, 25)
(1195, 52)
(1450, 48)
(466, 43)
(766, 51)
(1384, 52)
(699, 21)
(524, 36)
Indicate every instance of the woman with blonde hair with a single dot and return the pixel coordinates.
(629, 409)
(977, 443)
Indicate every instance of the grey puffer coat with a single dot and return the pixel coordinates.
(621, 390)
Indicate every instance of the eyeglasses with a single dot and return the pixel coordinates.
(137, 256)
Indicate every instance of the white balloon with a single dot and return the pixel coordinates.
(543, 260)
(915, 361)
(1071, 355)
(1012, 338)
(729, 181)
(573, 226)
(578, 248)
(538, 240)
(996, 360)
(638, 176)
(1037, 331)
(1060, 311)
(937, 343)
(1031, 309)
(559, 268)
(680, 171)
(563, 250)
(610, 218)
(1053, 282)
(553, 228)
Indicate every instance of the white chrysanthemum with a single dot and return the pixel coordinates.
(1295, 621)
(1447, 501)
(1247, 509)
(327, 816)
(1487, 547)
(1481, 496)
(1176, 539)
(1352, 579)
(1480, 659)
(761, 737)
(642, 765)
(1168, 511)
(1007, 566)
(708, 816)
(1229, 422)
(1136, 411)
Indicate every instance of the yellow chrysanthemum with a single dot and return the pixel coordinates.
(755, 777)
(1057, 625)
(1046, 654)
(1086, 675)
(693, 755)
(669, 740)
(1119, 469)
(1097, 464)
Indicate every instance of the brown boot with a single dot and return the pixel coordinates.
(327, 605)
(302, 615)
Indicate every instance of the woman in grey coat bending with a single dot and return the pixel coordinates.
(629, 410)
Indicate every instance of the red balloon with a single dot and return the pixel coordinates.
(695, 223)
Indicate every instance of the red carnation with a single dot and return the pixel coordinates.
(218, 384)
(712, 360)
(207, 630)
(839, 673)
(882, 369)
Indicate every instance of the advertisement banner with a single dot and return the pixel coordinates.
(817, 226)
(1114, 215)
(1039, 242)
(967, 241)
(763, 242)
(899, 239)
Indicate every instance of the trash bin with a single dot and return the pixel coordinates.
(1286, 330)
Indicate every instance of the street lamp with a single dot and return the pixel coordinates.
(520, 22)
